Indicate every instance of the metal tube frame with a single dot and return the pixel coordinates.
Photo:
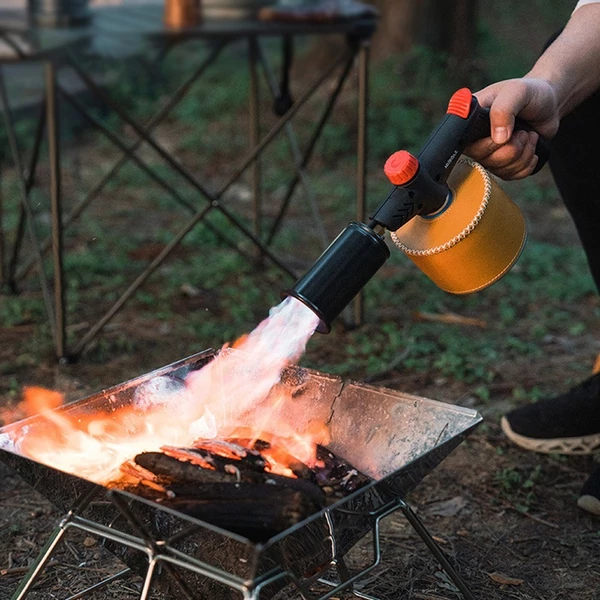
(212, 197)
(31, 173)
(49, 119)
(254, 136)
(312, 143)
(160, 552)
(129, 151)
(53, 134)
(434, 548)
(295, 151)
(25, 205)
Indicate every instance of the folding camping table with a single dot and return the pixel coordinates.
(131, 24)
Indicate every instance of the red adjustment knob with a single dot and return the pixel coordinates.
(401, 167)
(460, 103)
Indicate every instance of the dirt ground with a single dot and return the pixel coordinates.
(547, 553)
(475, 503)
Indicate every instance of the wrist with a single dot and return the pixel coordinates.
(552, 89)
(570, 64)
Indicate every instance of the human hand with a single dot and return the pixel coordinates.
(511, 154)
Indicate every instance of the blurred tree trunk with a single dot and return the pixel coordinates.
(449, 26)
(443, 25)
(396, 28)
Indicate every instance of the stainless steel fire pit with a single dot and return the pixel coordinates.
(394, 438)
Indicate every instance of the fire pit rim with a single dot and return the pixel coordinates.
(211, 353)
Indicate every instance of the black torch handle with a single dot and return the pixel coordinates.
(482, 130)
(465, 122)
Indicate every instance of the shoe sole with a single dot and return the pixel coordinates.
(589, 503)
(587, 444)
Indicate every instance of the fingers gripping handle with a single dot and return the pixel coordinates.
(542, 148)
(482, 124)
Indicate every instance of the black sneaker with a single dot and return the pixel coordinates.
(567, 424)
(589, 499)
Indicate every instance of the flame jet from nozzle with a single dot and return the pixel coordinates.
(420, 188)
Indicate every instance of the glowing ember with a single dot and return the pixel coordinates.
(215, 401)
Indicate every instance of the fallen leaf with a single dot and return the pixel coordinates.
(450, 318)
(439, 540)
(504, 579)
(88, 542)
(447, 508)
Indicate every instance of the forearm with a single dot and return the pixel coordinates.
(571, 65)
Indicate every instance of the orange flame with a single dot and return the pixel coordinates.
(216, 401)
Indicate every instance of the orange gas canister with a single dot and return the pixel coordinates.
(473, 240)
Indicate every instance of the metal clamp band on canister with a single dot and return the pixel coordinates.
(474, 241)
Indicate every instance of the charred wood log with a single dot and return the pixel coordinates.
(255, 511)
(266, 449)
(174, 471)
(227, 483)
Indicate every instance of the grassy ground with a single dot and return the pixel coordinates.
(507, 516)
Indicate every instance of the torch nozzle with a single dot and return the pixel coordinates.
(341, 272)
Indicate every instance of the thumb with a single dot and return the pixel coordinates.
(505, 100)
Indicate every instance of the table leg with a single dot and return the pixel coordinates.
(3, 280)
(26, 210)
(254, 109)
(361, 156)
(129, 150)
(55, 202)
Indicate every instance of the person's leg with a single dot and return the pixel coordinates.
(570, 423)
(575, 165)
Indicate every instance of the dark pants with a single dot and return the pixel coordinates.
(575, 165)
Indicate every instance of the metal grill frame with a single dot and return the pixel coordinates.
(155, 541)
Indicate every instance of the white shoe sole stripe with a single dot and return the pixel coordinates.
(589, 503)
(587, 444)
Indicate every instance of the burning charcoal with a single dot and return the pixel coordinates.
(279, 455)
(231, 449)
(191, 455)
(131, 468)
(337, 474)
(252, 462)
(134, 474)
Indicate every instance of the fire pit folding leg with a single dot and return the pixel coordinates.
(40, 562)
(346, 579)
(36, 569)
(424, 534)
